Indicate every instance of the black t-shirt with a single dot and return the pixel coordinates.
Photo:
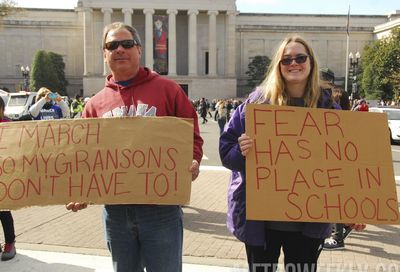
(296, 101)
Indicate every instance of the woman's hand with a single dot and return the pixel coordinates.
(47, 97)
(245, 144)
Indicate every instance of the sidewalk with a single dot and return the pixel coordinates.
(44, 232)
(42, 261)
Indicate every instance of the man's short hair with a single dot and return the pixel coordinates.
(120, 25)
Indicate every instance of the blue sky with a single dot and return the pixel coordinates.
(368, 7)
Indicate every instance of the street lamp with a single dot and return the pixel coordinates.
(354, 61)
(25, 74)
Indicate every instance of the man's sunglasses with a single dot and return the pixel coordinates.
(115, 44)
(299, 60)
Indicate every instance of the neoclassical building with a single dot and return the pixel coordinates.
(205, 46)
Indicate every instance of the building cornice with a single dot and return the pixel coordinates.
(387, 26)
(48, 9)
(263, 28)
(311, 15)
(31, 23)
(201, 5)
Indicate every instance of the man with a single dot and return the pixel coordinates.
(340, 231)
(140, 236)
(77, 106)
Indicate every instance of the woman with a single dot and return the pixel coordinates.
(221, 114)
(6, 218)
(293, 80)
(49, 106)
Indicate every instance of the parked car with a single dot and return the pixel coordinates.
(393, 121)
(18, 104)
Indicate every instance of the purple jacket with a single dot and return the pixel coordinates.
(249, 231)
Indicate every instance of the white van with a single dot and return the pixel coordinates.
(18, 104)
(393, 115)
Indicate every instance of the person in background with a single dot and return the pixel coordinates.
(203, 110)
(344, 100)
(362, 106)
(140, 236)
(221, 115)
(49, 106)
(339, 234)
(292, 80)
(340, 231)
(8, 251)
(336, 94)
(77, 106)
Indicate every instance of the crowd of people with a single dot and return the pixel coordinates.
(135, 234)
(222, 109)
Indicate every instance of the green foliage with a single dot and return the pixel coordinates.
(38, 75)
(48, 71)
(257, 70)
(59, 67)
(380, 66)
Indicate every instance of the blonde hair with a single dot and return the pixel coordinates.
(42, 93)
(273, 87)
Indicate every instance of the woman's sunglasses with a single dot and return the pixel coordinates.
(115, 44)
(299, 60)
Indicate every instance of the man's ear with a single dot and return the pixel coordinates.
(140, 50)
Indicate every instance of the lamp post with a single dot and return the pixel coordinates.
(25, 73)
(354, 61)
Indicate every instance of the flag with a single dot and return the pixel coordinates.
(348, 22)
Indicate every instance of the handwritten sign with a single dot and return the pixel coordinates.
(315, 165)
(102, 161)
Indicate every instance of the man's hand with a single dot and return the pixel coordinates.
(195, 169)
(76, 206)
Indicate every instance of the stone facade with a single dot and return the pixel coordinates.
(209, 43)
(383, 30)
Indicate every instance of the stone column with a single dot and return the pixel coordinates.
(212, 43)
(172, 41)
(192, 41)
(88, 49)
(127, 16)
(107, 20)
(230, 54)
(148, 51)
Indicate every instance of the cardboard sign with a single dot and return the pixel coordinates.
(315, 165)
(102, 161)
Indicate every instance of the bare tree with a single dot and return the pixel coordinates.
(8, 7)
